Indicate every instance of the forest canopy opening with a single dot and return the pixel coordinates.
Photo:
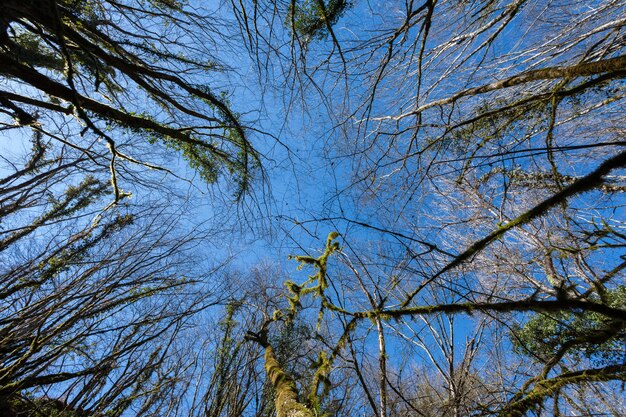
(312, 208)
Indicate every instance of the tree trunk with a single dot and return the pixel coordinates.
(286, 393)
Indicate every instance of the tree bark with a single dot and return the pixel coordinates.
(286, 393)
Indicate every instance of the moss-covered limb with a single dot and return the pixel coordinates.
(595, 337)
(285, 389)
(325, 362)
(546, 388)
(56, 89)
(286, 393)
(583, 69)
(316, 284)
(549, 336)
(583, 184)
(91, 53)
(525, 104)
(11, 388)
(68, 255)
(204, 154)
(320, 377)
(320, 262)
(74, 199)
(507, 306)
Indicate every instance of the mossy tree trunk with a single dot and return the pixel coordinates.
(286, 393)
